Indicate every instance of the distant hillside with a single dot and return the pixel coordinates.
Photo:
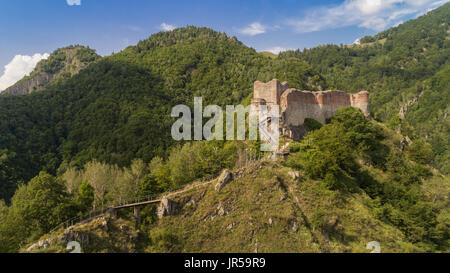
(396, 66)
(62, 64)
(269, 54)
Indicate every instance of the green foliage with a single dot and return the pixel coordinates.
(330, 155)
(55, 63)
(367, 39)
(89, 128)
(429, 117)
(420, 151)
(118, 108)
(85, 196)
(365, 136)
(395, 66)
(35, 209)
(312, 124)
(62, 64)
(8, 172)
(188, 163)
(162, 241)
(58, 60)
(159, 178)
(44, 202)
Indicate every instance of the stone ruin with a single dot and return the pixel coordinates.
(297, 105)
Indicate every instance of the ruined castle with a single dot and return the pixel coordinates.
(296, 106)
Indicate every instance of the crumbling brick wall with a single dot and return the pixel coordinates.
(296, 105)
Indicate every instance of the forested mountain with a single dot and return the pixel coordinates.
(407, 63)
(102, 135)
(60, 65)
(118, 108)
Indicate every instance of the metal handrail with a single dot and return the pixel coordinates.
(97, 213)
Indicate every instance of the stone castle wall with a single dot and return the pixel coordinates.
(270, 92)
(296, 105)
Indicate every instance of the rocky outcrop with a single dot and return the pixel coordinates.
(404, 108)
(68, 236)
(223, 179)
(61, 64)
(294, 174)
(40, 245)
(103, 234)
(166, 208)
(34, 84)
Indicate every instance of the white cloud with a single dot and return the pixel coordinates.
(73, 2)
(276, 50)
(398, 23)
(372, 14)
(357, 41)
(253, 29)
(20, 66)
(433, 6)
(167, 27)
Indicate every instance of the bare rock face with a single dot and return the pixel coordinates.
(294, 175)
(34, 84)
(223, 179)
(77, 236)
(166, 208)
(220, 210)
(40, 245)
(65, 62)
(68, 236)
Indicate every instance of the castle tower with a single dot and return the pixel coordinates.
(361, 100)
(270, 92)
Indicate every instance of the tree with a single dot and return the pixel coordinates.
(73, 180)
(4, 238)
(365, 136)
(329, 157)
(100, 177)
(136, 172)
(85, 196)
(420, 152)
(36, 208)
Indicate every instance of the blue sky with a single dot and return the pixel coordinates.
(28, 27)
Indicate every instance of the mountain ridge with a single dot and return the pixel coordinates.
(62, 64)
